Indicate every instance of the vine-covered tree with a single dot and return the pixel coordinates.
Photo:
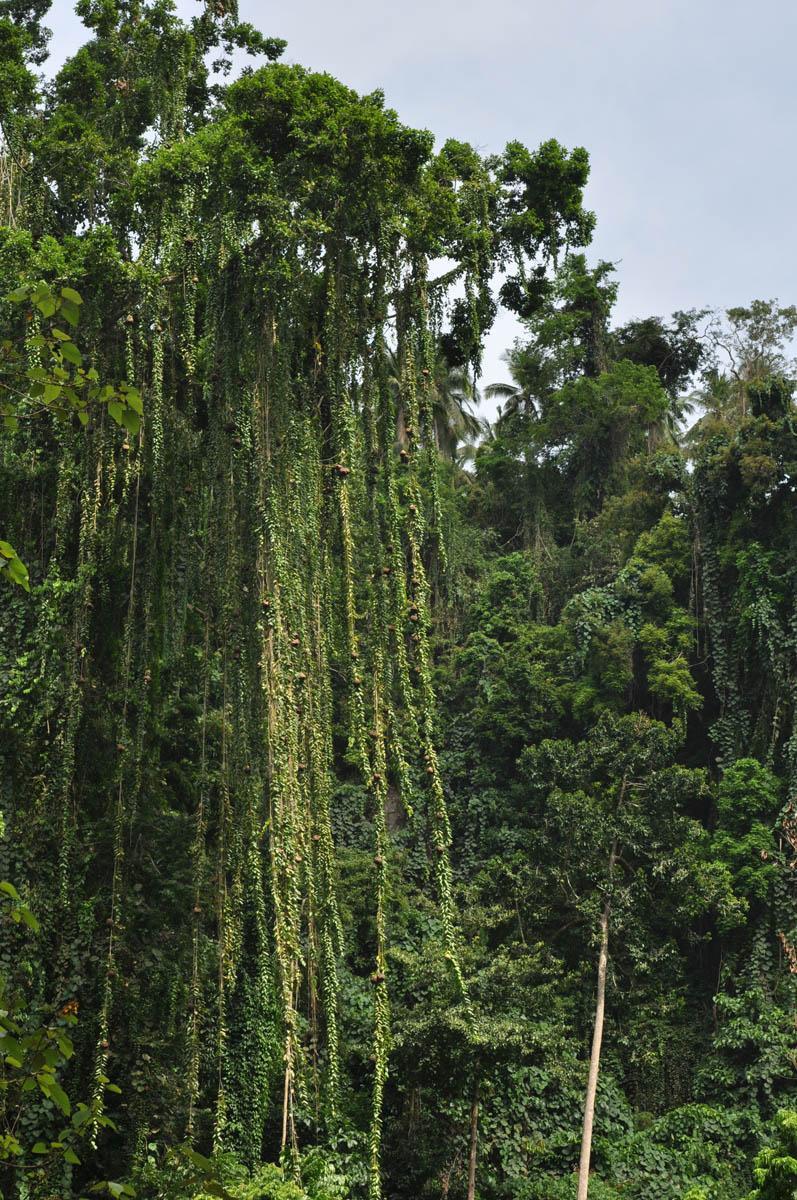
(337, 764)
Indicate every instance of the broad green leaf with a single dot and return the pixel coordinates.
(69, 293)
(53, 1091)
(9, 889)
(70, 311)
(215, 1189)
(71, 353)
(65, 1045)
(131, 420)
(60, 1097)
(19, 573)
(26, 916)
(198, 1160)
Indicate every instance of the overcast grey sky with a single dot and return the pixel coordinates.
(687, 109)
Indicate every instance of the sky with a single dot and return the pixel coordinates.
(688, 109)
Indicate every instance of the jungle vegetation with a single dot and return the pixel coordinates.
(394, 804)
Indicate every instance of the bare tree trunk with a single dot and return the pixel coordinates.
(474, 1137)
(597, 1039)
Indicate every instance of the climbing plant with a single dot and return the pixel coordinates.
(230, 609)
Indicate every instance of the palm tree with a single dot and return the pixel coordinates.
(670, 428)
(454, 397)
(515, 396)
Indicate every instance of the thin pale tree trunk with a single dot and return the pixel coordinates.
(474, 1138)
(597, 1039)
(445, 1181)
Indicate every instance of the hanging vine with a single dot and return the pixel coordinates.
(249, 609)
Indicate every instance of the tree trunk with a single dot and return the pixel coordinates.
(474, 1137)
(445, 1179)
(597, 1039)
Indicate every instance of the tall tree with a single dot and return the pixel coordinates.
(617, 833)
(237, 597)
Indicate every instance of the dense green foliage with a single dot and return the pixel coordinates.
(332, 748)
